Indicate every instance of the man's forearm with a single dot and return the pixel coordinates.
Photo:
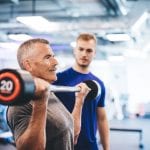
(77, 111)
(104, 134)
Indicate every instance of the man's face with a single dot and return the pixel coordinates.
(43, 62)
(84, 52)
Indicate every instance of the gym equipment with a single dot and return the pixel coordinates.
(17, 87)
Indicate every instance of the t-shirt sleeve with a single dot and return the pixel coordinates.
(18, 119)
(101, 102)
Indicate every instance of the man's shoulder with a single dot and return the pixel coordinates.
(62, 76)
(64, 71)
(100, 82)
(98, 79)
(18, 109)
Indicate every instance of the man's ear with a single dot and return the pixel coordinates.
(95, 54)
(27, 65)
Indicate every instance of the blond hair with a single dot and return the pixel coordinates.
(87, 37)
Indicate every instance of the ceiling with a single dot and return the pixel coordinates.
(100, 17)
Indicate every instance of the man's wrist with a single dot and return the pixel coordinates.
(79, 101)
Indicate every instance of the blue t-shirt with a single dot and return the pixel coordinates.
(87, 137)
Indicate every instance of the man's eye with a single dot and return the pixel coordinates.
(81, 49)
(48, 57)
(89, 50)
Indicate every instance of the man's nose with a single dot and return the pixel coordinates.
(84, 53)
(55, 61)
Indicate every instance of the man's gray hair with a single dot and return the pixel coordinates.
(26, 48)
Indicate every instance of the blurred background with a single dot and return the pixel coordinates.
(122, 28)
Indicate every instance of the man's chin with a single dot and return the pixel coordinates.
(84, 65)
(53, 80)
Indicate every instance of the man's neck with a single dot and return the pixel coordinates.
(81, 69)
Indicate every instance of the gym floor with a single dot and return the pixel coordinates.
(120, 139)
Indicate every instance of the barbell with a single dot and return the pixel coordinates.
(17, 87)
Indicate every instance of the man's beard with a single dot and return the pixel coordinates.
(84, 66)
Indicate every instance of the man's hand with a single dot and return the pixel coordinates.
(83, 92)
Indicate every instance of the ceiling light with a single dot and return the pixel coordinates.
(39, 23)
(117, 37)
(9, 45)
(19, 37)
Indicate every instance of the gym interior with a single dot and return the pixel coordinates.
(122, 29)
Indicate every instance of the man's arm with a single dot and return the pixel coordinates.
(77, 111)
(34, 137)
(103, 127)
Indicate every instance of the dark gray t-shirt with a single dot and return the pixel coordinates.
(59, 125)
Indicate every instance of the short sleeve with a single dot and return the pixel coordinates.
(101, 102)
(18, 119)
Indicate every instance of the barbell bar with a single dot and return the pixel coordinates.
(17, 87)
